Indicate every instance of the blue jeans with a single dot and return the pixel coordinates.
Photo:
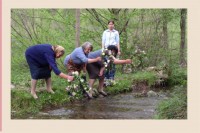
(110, 74)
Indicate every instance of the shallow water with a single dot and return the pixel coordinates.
(122, 106)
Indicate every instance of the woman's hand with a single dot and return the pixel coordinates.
(70, 78)
(98, 59)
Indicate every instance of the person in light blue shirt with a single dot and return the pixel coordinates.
(110, 37)
(77, 60)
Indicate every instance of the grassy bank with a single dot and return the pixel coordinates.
(23, 104)
(176, 106)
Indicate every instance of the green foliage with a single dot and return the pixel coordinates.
(177, 76)
(143, 76)
(174, 107)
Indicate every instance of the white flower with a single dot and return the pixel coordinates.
(108, 61)
(76, 73)
(73, 93)
(109, 52)
(67, 88)
(74, 86)
(73, 73)
(82, 80)
(106, 65)
(103, 53)
(69, 80)
(85, 88)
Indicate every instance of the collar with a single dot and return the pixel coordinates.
(111, 30)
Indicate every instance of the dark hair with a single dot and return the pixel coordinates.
(113, 47)
(111, 21)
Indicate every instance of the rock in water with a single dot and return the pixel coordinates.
(152, 94)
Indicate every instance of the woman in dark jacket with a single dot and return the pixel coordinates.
(41, 59)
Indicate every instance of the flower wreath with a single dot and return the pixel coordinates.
(78, 86)
(107, 60)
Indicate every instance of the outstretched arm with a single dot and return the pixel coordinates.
(117, 61)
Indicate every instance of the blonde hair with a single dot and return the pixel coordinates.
(58, 48)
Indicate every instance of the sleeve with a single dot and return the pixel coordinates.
(117, 37)
(52, 62)
(104, 38)
(82, 57)
(66, 59)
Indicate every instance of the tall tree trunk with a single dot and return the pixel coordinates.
(183, 30)
(125, 31)
(165, 29)
(77, 27)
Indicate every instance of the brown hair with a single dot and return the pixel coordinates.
(111, 21)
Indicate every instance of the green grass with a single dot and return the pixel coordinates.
(23, 103)
(143, 76)
(123, 84)
(174, 107)
(178, 76)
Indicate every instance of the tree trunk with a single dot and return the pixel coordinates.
(77, 28)
(183, 30)
(165, 30)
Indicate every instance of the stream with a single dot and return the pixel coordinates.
(121, 106)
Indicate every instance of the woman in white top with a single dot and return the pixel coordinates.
(110, 37)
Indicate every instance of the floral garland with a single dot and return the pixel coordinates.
(78, 85)
(108, 59)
